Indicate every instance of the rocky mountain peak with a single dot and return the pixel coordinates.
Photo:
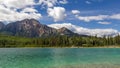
(33, 28)
(31, 22)
(29, 28)
(65, 31)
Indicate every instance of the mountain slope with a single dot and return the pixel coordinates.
(29, 28)
(33, 28)
(1, 26)
(65, 31)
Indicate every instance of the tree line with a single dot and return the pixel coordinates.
(58, 41)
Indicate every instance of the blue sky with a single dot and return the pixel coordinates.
(88, 17)
(93, 8)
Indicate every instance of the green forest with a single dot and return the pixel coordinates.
(58, 41)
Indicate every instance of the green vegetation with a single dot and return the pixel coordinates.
(58, 41)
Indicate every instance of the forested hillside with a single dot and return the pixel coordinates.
(58, 41)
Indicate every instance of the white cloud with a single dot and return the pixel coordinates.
(57, 13)
(24, 3)
(63, 2)
(87, 2)
(104, 22)
(29, 10)
(95, 18)
(9, 9)
(86, 31)
(17, 3)
(92, 18)
(75, 11)
(51, 3)
(115, 16)
(48, 3)
(9, 15)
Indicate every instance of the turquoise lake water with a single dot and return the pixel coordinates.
(59, 58)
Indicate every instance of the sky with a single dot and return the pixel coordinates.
(88, 17)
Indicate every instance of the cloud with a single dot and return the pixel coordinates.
(92, 18)
(87, 2)
(98, 17)
(57, 13)
(92, 1)
(51, 3)
(115, 16)
(9, 10)
(104, 22)
(17, 3)
(29, 10)
(63, 2)
(75, 11)
(86, 31)
(48, 3)
(9, 15)
(23, 3)
(15, 10)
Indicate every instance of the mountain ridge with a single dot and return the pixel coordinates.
(33, 28)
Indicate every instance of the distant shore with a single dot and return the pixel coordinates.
(71, 47)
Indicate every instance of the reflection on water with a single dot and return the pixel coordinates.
(59, 58)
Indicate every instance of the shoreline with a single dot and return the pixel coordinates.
(68, 47)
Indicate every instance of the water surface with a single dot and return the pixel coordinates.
(59, 58)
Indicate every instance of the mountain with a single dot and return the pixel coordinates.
(65, 31)
(29, 28)
(2, 25)
(33, 28)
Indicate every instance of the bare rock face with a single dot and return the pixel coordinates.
(29, 28)
(65, 31)
(33, 28)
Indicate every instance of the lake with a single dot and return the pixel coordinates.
(59, 58)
